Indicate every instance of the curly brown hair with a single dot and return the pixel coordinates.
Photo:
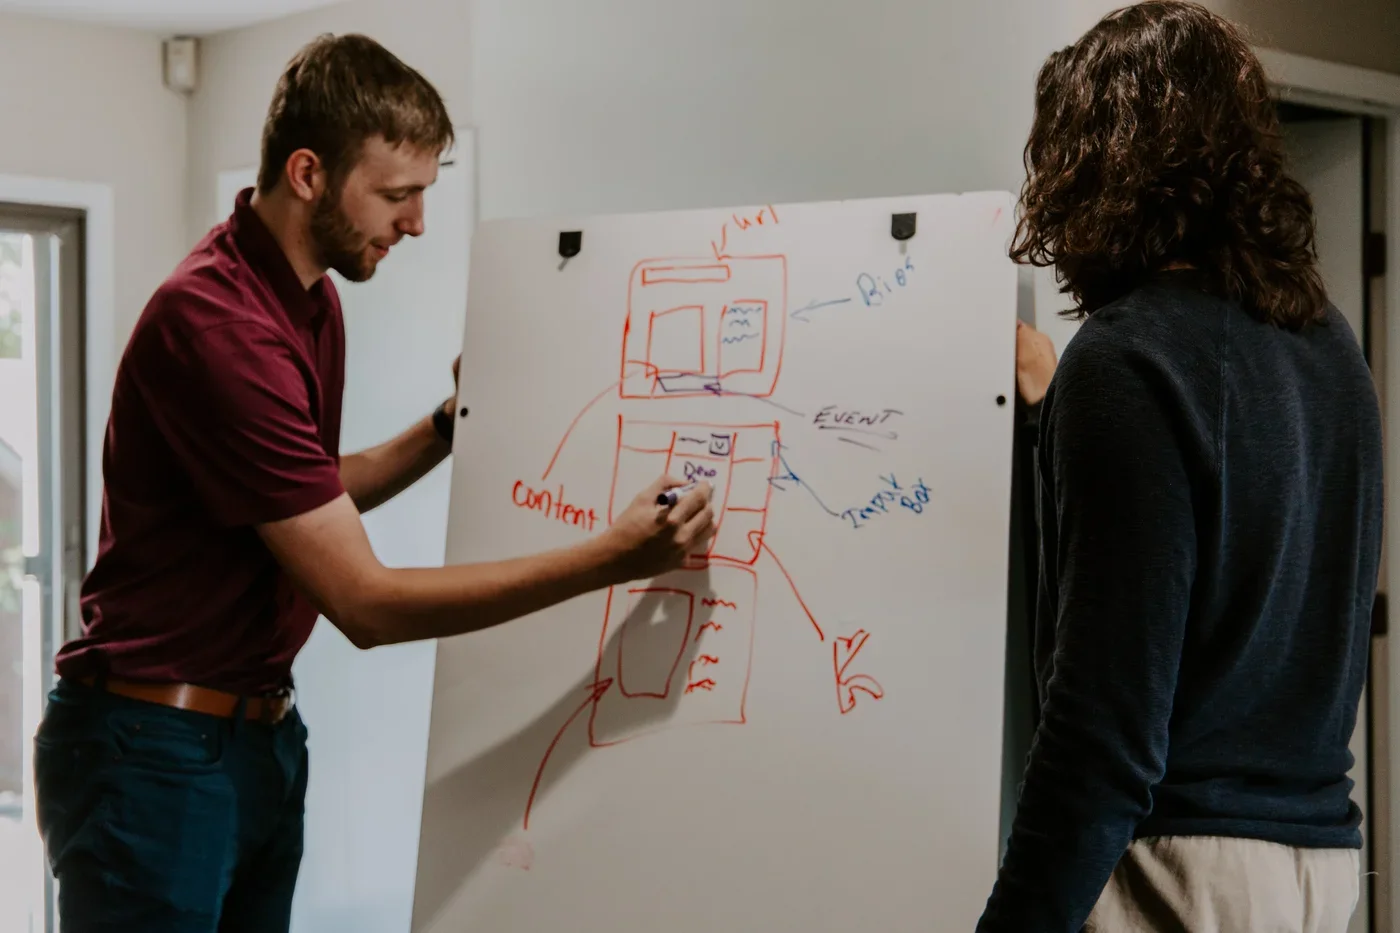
(1156, 144)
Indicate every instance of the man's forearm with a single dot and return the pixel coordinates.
(375, 476)
(417, 604)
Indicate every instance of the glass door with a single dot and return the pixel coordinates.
(41, 518)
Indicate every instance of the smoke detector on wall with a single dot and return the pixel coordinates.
(181, 64)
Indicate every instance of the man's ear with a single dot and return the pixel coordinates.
(306, 177)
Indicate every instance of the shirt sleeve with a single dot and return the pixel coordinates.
(233, 404)
(1123, 561)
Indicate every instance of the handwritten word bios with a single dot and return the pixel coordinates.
(873, 289)
(891, 496)
(552, 505)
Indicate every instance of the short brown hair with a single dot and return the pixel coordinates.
(339, 91)
(1156, 142)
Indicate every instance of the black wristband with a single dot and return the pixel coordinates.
(443, 423)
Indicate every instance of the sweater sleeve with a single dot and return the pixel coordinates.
(1122, 561)
(1030, 423)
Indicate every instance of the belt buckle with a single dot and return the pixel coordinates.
(277, 706)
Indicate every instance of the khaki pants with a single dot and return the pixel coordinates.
(1207, 884)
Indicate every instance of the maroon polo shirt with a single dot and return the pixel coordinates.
(225, 414)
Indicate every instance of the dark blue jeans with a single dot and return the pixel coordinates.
(166, 821)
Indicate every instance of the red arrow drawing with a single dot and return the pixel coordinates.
(596, 693)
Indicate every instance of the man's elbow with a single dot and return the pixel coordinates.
(360, 634)
(362, 618)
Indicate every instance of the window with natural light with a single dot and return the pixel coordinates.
(21, 865)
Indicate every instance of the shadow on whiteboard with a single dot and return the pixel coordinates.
(660, 641)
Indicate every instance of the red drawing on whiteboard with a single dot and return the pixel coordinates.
(678, 650)
(670, 659)
(738, 461)
(758, 543)
(843, 652)
(680, 343)
(597, 690)
(573, 424)
(700, 327)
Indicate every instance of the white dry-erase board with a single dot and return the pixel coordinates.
(803, 730)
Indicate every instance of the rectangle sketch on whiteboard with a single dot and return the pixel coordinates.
(800, 727)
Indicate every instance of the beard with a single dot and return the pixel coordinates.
(338, 244)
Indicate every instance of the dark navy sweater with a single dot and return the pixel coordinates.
(1211, 508)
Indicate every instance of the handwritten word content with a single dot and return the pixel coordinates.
(891, 495)
(553, 506)
(873, 289)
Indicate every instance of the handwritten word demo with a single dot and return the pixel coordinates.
(552, 506)
(696, 472)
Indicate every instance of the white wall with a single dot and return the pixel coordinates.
(625, 105)
(239, 69)
(86, 104)
(587, 107)
(635, 105)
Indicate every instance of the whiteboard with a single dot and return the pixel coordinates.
(802, 729)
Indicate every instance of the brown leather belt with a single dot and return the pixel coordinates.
(266, 709)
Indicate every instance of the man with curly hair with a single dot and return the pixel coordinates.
(1210, 457)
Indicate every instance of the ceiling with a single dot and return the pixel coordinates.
(167, 17)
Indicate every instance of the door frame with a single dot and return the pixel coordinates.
(1364, 92)
(95, 201)
(58, 358)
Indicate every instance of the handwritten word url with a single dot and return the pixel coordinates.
(552, 506)
(891, 494)
(743, 223)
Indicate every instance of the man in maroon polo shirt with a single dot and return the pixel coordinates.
(171, 765)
